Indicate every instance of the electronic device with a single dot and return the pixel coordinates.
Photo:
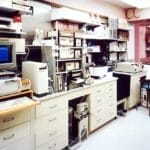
(10, 85)
(7, 55)
(98, 72)
(18, 42)
(81, 114)
(129, 67)
(7, 74)
(37, 73)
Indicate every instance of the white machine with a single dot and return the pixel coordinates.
(129, 67)
(37, 73)
(10, 85)
(81, 114)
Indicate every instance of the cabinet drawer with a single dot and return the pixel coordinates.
(14, 134)
(54, 120)
(22, 144)
(50, 106)
(96, 121)
(110, 88)
(110, 115)
(14, 119)
(96, 102)
(99, 90)
(47, 135)
(55, 144)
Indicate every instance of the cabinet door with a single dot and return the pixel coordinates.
(134, 91)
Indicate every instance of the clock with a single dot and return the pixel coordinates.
(130, 13)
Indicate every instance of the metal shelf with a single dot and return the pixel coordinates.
(69, 59)
(65, 72)
(10, 11)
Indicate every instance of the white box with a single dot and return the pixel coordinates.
(37, 73)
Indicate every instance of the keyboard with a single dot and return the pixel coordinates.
(14, 102)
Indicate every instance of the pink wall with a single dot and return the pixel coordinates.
(140, 39)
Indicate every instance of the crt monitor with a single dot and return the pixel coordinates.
(7, 56)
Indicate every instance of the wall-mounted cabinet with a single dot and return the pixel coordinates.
(10, 14)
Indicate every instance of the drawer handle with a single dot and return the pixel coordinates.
(51, 120)
(52, 134)
(110, 96)
(9, 137)
(99, 91)
(52, 107)
(8, 119)
(52, 147)
(99, 110)
(110, 105)
(99, 100)
(98, 120)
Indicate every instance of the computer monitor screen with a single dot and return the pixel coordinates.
(7, 56)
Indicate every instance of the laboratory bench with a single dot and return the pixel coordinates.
(46, 124)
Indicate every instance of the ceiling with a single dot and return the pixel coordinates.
(119, 3)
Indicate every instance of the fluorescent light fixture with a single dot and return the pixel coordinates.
(138, 3)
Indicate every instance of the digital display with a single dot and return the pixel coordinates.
(5, 54)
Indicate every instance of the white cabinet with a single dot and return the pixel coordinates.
(102, 104)
(134, 97)
(16, 127)
(52, 124)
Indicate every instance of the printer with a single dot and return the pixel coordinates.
(129, 67)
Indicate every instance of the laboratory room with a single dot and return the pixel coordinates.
(74, 74)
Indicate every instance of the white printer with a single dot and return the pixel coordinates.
(129, 67)
(37, 73)
(10, 85)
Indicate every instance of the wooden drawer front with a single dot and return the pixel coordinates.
(14, 119)
(51, 106)
(56, 144)
(55, 120)
(14, 134)
(22, 144)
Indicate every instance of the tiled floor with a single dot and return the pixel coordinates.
(125, 133)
